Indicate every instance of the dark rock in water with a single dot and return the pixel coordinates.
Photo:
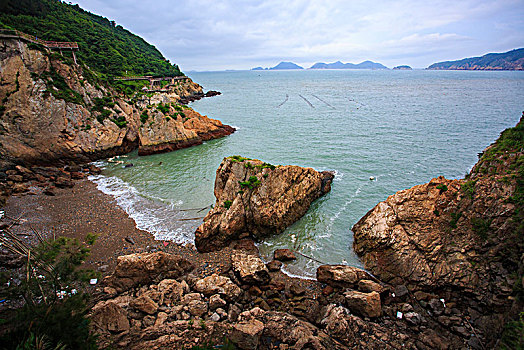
(129, 165)
(211, 93)
(259, 198)
(284, 255)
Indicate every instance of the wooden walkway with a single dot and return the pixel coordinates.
(60, 45)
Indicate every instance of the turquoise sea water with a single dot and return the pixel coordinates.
(401, 127)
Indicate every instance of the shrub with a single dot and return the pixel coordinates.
(163, 108)
(468, 188)
(251, 183)
(227, 204)
(442, 188)
(120, 121)
(55, 306)
(143, 117)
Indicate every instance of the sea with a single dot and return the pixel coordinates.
(381, 131)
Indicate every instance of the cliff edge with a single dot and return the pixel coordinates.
(461, 240)
(54, 112)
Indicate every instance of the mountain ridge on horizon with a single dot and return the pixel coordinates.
(320, 65)
(509, 60)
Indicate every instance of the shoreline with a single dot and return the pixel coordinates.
(75, 212)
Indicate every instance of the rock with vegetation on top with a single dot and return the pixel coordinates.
(458, 239)
(258, 198)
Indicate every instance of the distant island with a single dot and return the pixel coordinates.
(286, 65)
(320, 65)
(511, 60)
(403, 67)
(340, 65)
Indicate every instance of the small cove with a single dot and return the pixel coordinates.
(401, 127)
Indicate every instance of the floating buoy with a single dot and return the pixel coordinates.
(372, 178)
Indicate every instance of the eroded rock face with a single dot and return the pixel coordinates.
(39, 127)
(457, 240)
(258, 198)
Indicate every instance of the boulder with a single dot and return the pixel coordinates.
(367, 286)
(259, 198)
(284, 255)
(341, 276)
(145, 304)
(138, 269)
(246, 335)
(250, 269)
(109, 317)
(218, 284)
(274, 265)
(215, 302)
(364, 304)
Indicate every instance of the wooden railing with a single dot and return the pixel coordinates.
(16, 34)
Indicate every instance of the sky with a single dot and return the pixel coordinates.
(242, 34)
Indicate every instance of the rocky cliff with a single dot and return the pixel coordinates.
(257, 199)
(461, 240)
(54, 111)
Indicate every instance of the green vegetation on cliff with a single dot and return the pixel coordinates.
(511, 60)
(106, 47)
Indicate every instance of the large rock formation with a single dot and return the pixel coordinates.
(460, 240)
(258, 199)
(55, 111)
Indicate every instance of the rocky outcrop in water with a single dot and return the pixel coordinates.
(54, 111)
(256, 199)
(456, 243)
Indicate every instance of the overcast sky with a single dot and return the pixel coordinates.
(242, 34)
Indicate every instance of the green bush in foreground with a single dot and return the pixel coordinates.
(55, 305)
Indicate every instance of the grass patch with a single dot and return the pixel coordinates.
(455, 217)
(227, 204)
(442, 188)
(120, 121)
(468, 188)
(237, 159)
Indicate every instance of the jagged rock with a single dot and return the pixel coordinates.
(364, 304)
(335, 323)
(367, 286)
(109, 317)
(172, 291)
(258, 198)
(145, 304)
(197, 307)
(215, 302)
(160, 319)
(246, 335)
(250, 268)
(138, 269)
(284, 255)
(341, 276)
(218, 284)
